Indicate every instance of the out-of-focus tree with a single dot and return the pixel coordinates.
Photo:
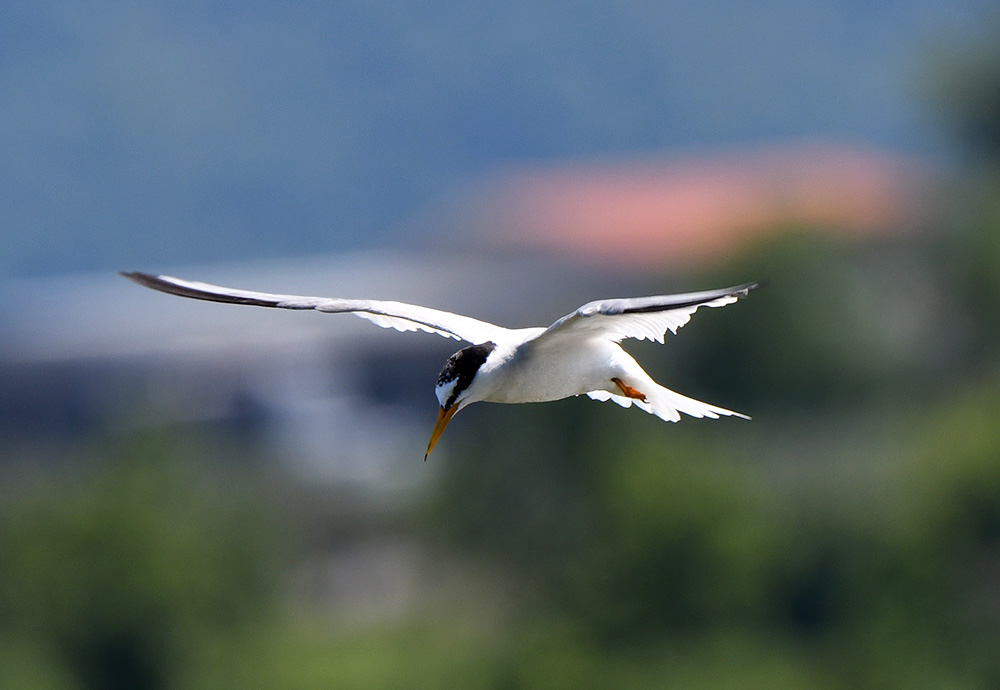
(111, 580)
(967, 91)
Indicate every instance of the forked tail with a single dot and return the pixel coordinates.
(666, 404)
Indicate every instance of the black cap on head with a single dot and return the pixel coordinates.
(462, 366)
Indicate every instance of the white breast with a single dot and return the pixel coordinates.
(526, 374)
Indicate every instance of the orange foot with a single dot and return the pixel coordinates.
(628, 391)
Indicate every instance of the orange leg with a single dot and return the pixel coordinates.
(628, 391)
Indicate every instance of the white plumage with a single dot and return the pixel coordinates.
(578, 354)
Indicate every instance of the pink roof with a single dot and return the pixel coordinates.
(659, 211)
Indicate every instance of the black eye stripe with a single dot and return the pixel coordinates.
(462, 367)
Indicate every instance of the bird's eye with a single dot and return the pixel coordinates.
(447, 392)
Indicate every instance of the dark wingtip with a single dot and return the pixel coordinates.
(146, 279)
(744, 290)
(155, 282)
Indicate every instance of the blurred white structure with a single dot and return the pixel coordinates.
(341, 398)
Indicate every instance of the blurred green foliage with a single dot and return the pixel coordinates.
(847, 537)
(691, 544)
(113, 577)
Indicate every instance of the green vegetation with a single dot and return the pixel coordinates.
(112, 581)
(845, 539)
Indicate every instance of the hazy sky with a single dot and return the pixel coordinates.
(145, 134)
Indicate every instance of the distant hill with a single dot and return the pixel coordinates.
(153, 134)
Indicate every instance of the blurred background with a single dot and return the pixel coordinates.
(200, 496)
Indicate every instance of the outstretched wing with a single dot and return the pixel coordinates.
(645, 318)
(402, 317)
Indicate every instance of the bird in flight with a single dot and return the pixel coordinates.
(578, 354)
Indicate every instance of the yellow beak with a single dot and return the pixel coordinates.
(444, 416)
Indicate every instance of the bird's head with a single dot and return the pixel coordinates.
(455, 387)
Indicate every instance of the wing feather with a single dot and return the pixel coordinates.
(643, 318)
(397, 315)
